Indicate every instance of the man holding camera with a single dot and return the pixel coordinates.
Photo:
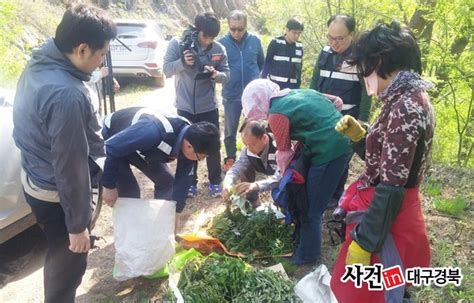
(198, 62)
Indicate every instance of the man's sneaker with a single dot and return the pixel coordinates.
(228, 163)
(215, 190)
(192, 191)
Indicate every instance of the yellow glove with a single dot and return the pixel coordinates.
(349, 127)
(357, 255)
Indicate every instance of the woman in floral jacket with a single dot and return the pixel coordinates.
(384, 218)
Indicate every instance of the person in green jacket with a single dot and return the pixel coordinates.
(308, 117)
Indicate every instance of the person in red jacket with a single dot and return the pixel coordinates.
(384, 217)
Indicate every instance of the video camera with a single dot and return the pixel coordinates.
(188, 43)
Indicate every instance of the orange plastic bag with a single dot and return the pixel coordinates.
(207, 244)
(204, 244)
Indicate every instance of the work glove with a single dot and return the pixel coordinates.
(349, 127)
(357, 255)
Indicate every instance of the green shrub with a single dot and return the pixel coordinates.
(13, 61)
(432, 189)
(454, 207)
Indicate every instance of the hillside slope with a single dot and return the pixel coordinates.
(25, 24)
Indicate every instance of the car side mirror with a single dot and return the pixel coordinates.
(168, 37)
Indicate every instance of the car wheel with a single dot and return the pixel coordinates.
(160, 81)
(96, 204)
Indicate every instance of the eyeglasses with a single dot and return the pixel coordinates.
(336, 39)
(237, 29)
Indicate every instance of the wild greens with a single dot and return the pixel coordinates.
(258, 234)
(219, 278)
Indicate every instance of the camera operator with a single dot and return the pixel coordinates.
(198, 62)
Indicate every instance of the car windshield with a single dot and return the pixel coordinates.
(134, 31)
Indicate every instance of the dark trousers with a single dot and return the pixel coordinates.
(232, 111)
(159, 173)
(213, 161)
(63, 269)
(340, 186)
(321, 183)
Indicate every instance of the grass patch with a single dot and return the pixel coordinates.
(432, 188)
(131, 92)
(454, 207)
(444, 255)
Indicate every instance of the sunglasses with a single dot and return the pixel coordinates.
(235, 29)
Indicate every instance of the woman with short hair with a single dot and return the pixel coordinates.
(384, 218)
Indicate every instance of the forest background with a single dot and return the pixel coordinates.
(444, 29)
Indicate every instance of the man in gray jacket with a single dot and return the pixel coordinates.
(198, 62)
(57, 132)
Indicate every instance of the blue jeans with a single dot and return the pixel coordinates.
(321, 183)
(232, 111)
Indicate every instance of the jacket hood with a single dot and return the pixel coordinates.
(49, 56)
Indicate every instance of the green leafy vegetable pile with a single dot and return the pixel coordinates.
(219, 278)
(258, 234)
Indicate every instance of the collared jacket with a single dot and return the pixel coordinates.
(264, 163)
(195, 96)
(245, 63)
(153, 136)
(284, 63)
(57, 130)
(333, 75)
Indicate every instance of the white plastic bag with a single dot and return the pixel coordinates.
(143, 236)
(315, 288)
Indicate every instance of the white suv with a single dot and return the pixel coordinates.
(147, 48)
(15, 213)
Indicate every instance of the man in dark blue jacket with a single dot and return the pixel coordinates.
(333, 75)
(148, 140)
(245, 57)
(284, 61)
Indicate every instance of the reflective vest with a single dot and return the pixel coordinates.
(268, 164)
(170, 126)
(339, 79)
(287, 61)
